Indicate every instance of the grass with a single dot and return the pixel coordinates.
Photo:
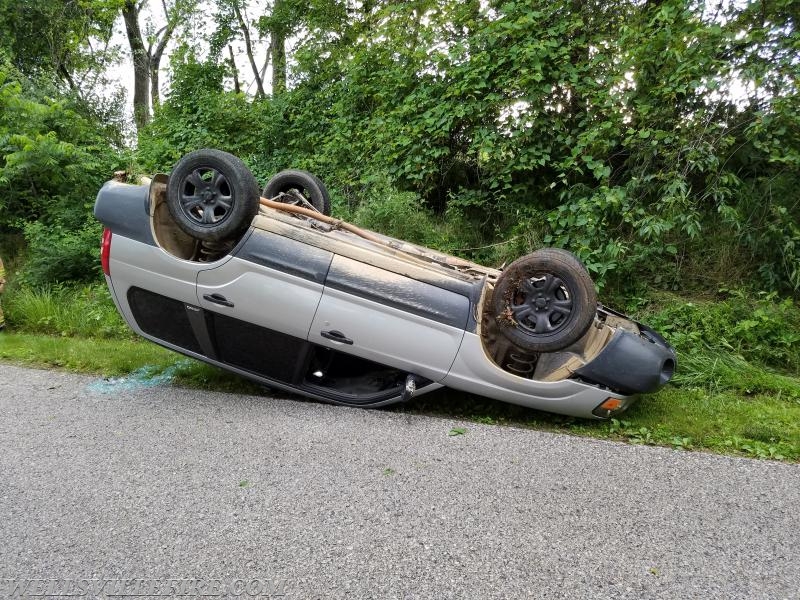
(762, 425)
(737, 392)
(86, 311)
(116, 358)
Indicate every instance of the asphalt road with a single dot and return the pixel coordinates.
(137, 487)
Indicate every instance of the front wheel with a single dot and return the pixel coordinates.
(545, 301)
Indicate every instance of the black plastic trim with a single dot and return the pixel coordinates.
(353, 399)
(258, 349)
(286, 255)
(631, 364)
(475, 298)
(384, 287)
(119, 206)
(165, 317)
(202, 326)
(309, 391)
(385, 258)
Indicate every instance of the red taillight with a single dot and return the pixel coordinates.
(105, 251)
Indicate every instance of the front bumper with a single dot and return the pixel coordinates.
(632, 363)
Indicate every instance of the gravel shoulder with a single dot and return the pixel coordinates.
(169, 483)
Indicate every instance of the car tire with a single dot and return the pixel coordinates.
(212, 195)
(545, 301)
(308, 184)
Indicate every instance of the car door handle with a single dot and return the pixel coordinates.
(218, 299)
(336, 336)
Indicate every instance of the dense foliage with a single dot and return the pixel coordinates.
(54, 156)
(657, 140)
(653, 139)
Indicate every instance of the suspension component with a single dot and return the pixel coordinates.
(521, 364)
(504, 353)
(209, 251)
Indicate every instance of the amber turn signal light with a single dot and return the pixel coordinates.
(611, 404)
(608, 406)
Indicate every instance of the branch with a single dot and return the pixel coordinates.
(266, 62)
(160, 31)
(65, 74)
(249, 48)
(150, 44)
(168, 30)
(236, 87)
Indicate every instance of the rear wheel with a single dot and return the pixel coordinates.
(545, 301)
(212, 195)
(299, 187)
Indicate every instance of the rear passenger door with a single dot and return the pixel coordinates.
(389, 318)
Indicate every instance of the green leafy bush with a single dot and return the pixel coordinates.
(760, 327)
(54, 153)
(56, 254)
(607, 129)
(197, 113)
(56, 150)
(397, 214)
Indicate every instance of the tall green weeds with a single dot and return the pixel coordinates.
(739, 340)
(86, 311)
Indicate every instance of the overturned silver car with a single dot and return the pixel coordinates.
(269, 286)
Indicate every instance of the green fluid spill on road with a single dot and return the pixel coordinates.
(145, 377)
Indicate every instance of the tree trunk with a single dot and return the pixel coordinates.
(236, 87)
(277, 45)
(155, 62)
(172, 18)
(154, 85)
(278, 48)
(141, 65)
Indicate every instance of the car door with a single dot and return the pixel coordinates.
(389, 318)
(262, 301)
